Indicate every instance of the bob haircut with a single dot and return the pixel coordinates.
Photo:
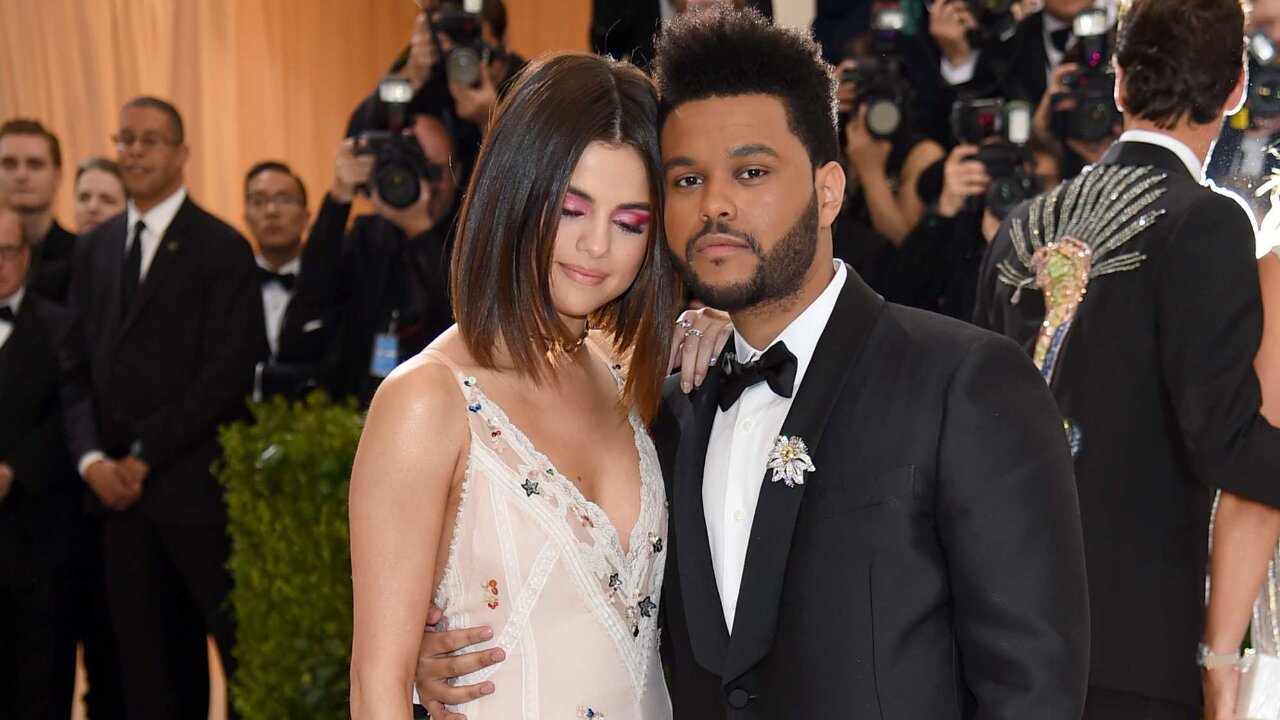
(501, 264)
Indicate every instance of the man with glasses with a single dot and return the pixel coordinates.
(30, 175)
(39, 495)
(170, 327)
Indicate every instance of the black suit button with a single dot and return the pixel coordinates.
(738, 698)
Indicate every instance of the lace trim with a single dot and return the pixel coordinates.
(449, 591)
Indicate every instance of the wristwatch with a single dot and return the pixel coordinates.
(1208, 660)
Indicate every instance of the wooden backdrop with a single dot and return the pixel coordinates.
(254, 79)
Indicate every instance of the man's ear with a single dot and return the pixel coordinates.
(829, 184)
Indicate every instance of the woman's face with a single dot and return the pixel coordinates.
(99, 195)
(604, 230)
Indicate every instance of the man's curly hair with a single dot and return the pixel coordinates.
(724, 52)
(1181, 58)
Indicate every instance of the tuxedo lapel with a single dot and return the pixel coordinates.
(834, 360)
(704, 615)
(15, 351)
(171, 245)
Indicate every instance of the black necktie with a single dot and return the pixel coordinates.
(1060, 38)
(286, 280)
(129, 276)
(6, 314)
(777, 366)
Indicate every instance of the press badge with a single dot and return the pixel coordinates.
(386, 354)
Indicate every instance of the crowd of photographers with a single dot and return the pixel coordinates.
(952, 113)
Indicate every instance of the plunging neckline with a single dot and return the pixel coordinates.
(594, 511)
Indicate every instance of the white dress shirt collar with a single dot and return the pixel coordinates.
(801, 336)
(294, 266)
(159, 217)
(14, 301)
(1194, 164)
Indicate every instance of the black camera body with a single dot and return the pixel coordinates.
(1000, 130)
(1093, 86)
(1264, 77)
(399, 166)
(468, 53)
(995, 21)
(881, 85)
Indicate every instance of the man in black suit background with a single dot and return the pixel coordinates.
(30, 175)
(872, 508)
(1153, 365)
(39, 496)
(170, 319)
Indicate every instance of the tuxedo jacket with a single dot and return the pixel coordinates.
(1015, 69)
(46, 488)
(1156, 374)
(180, 363)
(930, 567)
(50, 274)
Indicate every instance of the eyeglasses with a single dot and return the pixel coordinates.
(10, 253)
(148, 141)
(280, 200)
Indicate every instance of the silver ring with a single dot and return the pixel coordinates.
(685, 323)
(694, 332)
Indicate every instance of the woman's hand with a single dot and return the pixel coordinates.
(698, 339)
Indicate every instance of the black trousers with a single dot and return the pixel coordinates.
(37, 617)
(1103, 704)
(104, 699)
(167, 587)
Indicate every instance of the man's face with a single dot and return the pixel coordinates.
(28, 178)
(434, 140)
(150, 156)
(15, 254)
(1265, 16)
(741, 213)
(274, 210)
(1066, 10)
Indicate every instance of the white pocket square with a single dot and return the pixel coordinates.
(312, 325)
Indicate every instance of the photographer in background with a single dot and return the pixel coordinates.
(384, 283)
(457, 64)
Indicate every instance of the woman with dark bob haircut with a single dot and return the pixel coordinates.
(506, 473)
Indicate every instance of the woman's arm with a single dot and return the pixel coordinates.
(1245, 533)
(924, 154)
(407, 463)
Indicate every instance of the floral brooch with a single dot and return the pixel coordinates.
(790, 460)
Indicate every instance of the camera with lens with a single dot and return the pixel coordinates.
(994, 18)
(1264, 77)
(467, 52)
(399, 164)
(1092, 87)
(1001, 131)
(878, 79)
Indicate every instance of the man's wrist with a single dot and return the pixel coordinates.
(341, 194)
(87, 460)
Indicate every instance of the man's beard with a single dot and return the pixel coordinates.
(779, 274)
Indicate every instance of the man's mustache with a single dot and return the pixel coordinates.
(719, 228)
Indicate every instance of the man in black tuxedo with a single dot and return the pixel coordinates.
(39, 496)
(30, 174)
(276, 214)
(922, 558)
(385, 282)
(1153, 366)
(170, 327)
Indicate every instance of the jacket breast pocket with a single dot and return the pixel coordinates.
(867, 491)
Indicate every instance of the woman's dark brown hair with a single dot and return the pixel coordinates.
(500, 279)
(1181, 58)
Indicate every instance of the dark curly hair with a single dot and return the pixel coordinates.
(721, 51)
(1181, 58)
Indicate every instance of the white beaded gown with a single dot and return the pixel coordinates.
(544, 567)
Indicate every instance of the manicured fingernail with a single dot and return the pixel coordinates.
(487, 689)
(712, 361)
(686, 387)
(497, 655)
(486, 633)
(697, 380)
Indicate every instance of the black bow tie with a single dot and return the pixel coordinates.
(777, 366)
(285, 279)
(1060, 38)
(6, 314)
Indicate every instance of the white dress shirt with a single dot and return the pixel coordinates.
(1195, 165)
(741, 438)
(963, 73)
(275, 300)
(14, 302)
(157, 221)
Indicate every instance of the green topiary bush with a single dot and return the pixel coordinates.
(286, 478)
